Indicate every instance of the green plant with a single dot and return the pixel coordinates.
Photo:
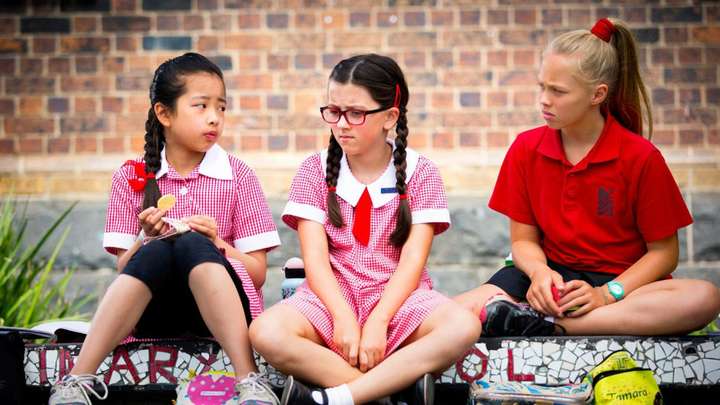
(26, 296)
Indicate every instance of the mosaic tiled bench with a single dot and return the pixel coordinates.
(676, 361)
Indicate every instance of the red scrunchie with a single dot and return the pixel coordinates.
(141, 177)
(603, 29)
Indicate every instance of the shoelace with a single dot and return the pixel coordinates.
(257, 382)
(86, 384)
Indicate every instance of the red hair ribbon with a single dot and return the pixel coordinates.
(403, 196)
(141, 177)
(331, 189)
(396, 102)
(603, 29)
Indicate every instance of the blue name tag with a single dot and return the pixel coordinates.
(388, 190)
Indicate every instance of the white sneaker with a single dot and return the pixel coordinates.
(74, 389)
(255, 389)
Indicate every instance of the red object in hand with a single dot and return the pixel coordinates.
(555, 293)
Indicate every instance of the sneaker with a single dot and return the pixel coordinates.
(502, 317)
(74, 389)
(255, 390)
(295, 393)
(420, 393)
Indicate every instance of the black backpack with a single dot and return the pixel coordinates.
(12, 356)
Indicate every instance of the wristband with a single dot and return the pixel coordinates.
(616, 290)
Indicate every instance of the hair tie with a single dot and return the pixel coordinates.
(396, 101)
(603, 29)
(331, 189)
(141, 177)
(403, 196)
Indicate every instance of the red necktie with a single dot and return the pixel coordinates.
(361, 226)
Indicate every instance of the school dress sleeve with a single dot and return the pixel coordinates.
(253, 226)
(307, 197)
(660, 208)
(121, 223)
(510, 195)
(426, 192)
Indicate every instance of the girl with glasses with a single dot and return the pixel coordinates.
(367, 322)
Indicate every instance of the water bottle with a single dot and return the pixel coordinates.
(294, 276)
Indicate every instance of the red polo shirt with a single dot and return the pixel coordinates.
(599, 214)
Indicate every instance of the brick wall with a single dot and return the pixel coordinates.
(74, 78)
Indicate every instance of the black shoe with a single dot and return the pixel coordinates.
(506, 318)
(295, 393)
(420, 393)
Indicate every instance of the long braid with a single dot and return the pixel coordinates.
(153, 143)
(331, 176)
(404, 218)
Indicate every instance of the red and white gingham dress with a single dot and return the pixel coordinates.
(222, 187)
(363, 271)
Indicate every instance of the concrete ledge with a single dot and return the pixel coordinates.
(677, 362)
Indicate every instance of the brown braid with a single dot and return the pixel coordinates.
(154, 139)
(331, 177)
(404, 218)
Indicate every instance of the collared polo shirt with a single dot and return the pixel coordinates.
(599, 214)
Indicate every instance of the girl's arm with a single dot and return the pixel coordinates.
(529, 258)
(255, 262)
(406, 277)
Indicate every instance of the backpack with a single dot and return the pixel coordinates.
(618, 380)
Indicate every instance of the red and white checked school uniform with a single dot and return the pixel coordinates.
(222, 187)
(363, 271)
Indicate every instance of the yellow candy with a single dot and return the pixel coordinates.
(166, 202)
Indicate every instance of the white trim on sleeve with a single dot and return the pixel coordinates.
(304, 211)
(266, 240)
(431, 216)
(118, 240)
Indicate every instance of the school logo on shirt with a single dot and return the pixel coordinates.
(605, 202)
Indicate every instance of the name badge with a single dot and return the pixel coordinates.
(388, 190)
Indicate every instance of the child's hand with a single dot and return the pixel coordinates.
(372, 344)
(151, 221)
(203, 224)
(540, 295)
(346, 336)
(580, 294)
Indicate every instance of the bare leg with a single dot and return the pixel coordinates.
(222, 311)
(116, 316)
(660, 308)
(288, 341)
(474, 300)
(439, 341)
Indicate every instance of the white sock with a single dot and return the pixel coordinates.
(339, 395)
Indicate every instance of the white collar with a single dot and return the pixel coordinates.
(382, 190)
(215, 163)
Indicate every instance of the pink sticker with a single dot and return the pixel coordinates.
(211, 389)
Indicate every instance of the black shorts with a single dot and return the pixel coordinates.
(164, 266)
(516, 284)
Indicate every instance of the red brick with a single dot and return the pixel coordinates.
(167, 22)
(466, 119)
(30, 145)
(250, 143)
(457, 78)
(524, 98)
(127, 44)
(526, 16)
(85, 105)
(7, 66)
(44, 44)
(497, 17)
(688, 55)
(301, 40)
(29, 85)
(85, 64)
(305, 61)
(293, 122)
(58, 105)
(306, 142)
(710, 35)
(84, 124)
(442, 59)
(451, 39)
(303, 80)
(579, 17)
(31, 105)
(497, 58)
(248, 41)
(131, 124)
(221, 22)
(86, 144)
(518, 118)
(518, 78)
(662, 56)
(112, 104)
(443, 140)
(278, 62)
(305, 20)
(208, 43)
(7, 146)
(496, 139)
(250, 102)
(663, 137)
(31, 67)
(27, 125)
(690, 136)
(85, 44)
(689, 96)
(413, 39)
(675, 35)
(249, 81)
(138, 104)
(7, 106)
(124, 5)
(58, 145)
(635, 15)
(522, 37)
(85, 83)
(469, 17)
(442, 18)
(113, 144)
(524, 57)
(414, 60)
(470, 139)
(278, 142)
(193, 23)
(333, 20)
(552, 17)
(387, 19)
(113, 64)
(442, 100)
(470, 58)
(8, 25)
(247, 61)
(133, 82)
(359, 19)
(13, 45)
(354, 40)
(85, 24)
(329, 60)
(497, 99)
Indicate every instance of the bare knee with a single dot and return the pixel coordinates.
(269, 336)
(707, 300)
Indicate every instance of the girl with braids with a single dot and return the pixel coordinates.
(367, 322)
(594, 211)
(202, 283)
